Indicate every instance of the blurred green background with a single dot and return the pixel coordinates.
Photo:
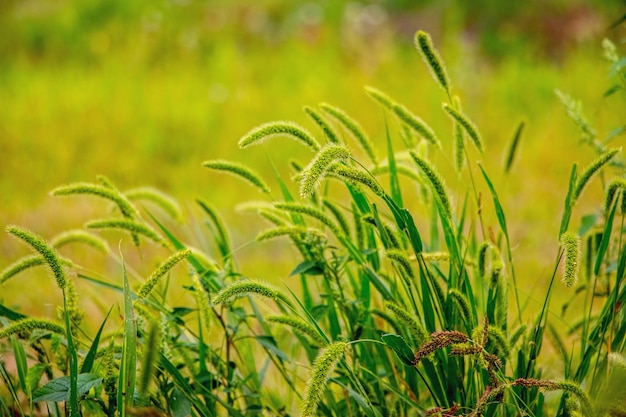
(144, 91)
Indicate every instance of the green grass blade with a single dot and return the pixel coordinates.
(396, 193)
(93, 350)
(126, 389)
(569, 200)
(606, 238)
(513, 147)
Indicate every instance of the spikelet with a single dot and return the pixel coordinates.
(40, 246)
(249, 287)
(341, 219)
(459, 139)
(314, 172)
(437, 184)
(436, 256)
(439, 340)
(295, 232)
(615, 186)
(79, 236)
(131, 226)
(462, 303)
(574, 111)
(322, 367)
(310, 211)
(405, 115)
(431, 57)
(30, 324)
(416, 329)
(403, 261)
(107, 192)
(301, 327)
(354, 128)
(328, 130)
(466, 124)
(25, 263)
(150, 350)
(498, 338)
(357, 177)
(164, 201)
(586, 175)
(240, 171)
(279, 128)
(574, 388)
(149, 284)
(570, 242)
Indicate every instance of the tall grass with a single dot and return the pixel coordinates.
(403, 299)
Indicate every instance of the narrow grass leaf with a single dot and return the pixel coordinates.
(93, 349)
(604, 243)
(126, 388)
(569, 200)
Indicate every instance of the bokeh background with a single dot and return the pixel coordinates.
(144, 91)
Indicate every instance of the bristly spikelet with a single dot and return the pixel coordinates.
(148, 285)
(319, 165)
(40, 246)
(574, 111)
(403, 261)
(459, 139)
(419, 334)
(431, 57)
(356, 177)
(238, 170)
(498, 338)
(279, 128)
(570, 242)
(164, 201)
(405, 115)
(248, 287)
(312, 212)
(462, 303)
(615, 186)
(301, 327)
(328, 130)
(466, 124)
(482, 258)
(131, 226)
(30, 324)
(79, 236)
(125, 206)
(586, 175)
(339, 216)
(354, 128)
(322, 367)
(295, 232)
(25, 263)
(575, 389)
(437, 184)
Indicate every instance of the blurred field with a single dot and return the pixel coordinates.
(144, 93)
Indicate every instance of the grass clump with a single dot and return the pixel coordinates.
(395, 305)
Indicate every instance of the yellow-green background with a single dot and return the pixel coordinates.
(144, 91)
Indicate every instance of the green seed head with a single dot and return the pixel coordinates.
(280, 128)
(238, 170)
(317, 168)
(249, 287)
(322, 367)
(570, 242)
(39, 245)
(169, 263)
(437, 184)
(433, 61)
(354, 128)
(466, 124)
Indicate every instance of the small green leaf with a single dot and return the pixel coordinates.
(397, 343)
(58, 389)
(587, 223)
(181, 407)
(308, 268)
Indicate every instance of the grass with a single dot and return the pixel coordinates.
(406, 295)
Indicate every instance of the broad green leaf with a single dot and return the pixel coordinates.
(399, 346)
(308, 268)
(181, 407)
(58, 389)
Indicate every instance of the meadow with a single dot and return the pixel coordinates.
(451, 294)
